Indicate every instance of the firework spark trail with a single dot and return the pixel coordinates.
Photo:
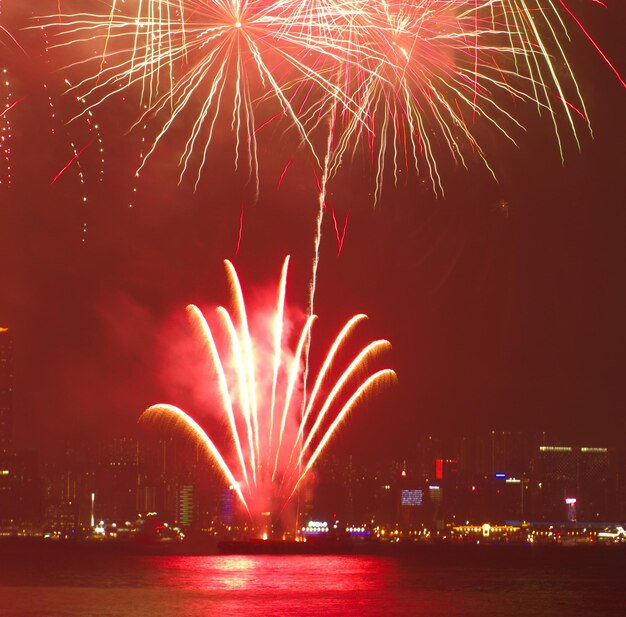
(6, 134)
(74, 158)
(58, 128)
(592, 41)
(278, 339)
(271, 477)
(172, 413)
(198, 318)
(284, 172)
(340, 236)
(321, 206)
(321, 376)
(7, 103)
(248, 353)
(293, 377)
(364, 355)
(399, 77)
(13, 40)
(240, 232)
(383, 375)
(316, 258)
(241, 371)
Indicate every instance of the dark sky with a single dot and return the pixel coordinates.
(504, 301)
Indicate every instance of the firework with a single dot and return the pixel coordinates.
(7, 103)
(429, 76)
(214, 62)
(409, 83)
(276, 433)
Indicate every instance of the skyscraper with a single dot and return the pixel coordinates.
(6, 388)
(584, 477)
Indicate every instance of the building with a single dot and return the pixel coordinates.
(567, 475)
(69, 478)
(185, 505)
(117, 479)
(21, 490)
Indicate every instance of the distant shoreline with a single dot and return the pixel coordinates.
(436, 553)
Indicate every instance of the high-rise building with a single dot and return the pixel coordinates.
(568, 475)
(185, 505)
(21, 490)
(6, 388)
(117, 479)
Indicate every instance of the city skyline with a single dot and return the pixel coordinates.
(495, 477)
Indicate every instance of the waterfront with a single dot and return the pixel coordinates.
(507, 581)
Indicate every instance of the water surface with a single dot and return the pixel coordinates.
(567, 583)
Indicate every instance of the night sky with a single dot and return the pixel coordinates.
(504, 302)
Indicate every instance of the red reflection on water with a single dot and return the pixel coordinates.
(436, 583)
(303, 585)
(306, 574)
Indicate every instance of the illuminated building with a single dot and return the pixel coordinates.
(6, 388)
(128, 477)
(185, 505)
(412, 498)
(226, 506)
(586, 474)
(570, 503)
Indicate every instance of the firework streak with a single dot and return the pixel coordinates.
(274, 439)
(406, 82)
